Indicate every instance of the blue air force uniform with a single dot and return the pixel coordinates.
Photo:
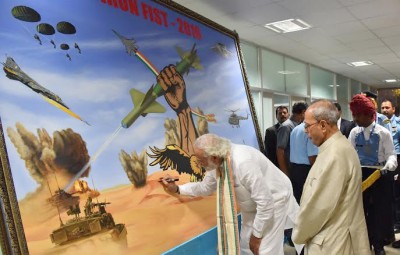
(374, 146)
(301, 148)
(395, 130)
(383, 120)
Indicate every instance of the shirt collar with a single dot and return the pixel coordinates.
(369, 128)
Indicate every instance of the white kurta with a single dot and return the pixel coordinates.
(263, 193)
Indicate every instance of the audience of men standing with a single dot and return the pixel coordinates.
(388, 109)
(302, 155)
(375, 138)
(282, 114)
(283, 135)
(345, 126)
(374, 146)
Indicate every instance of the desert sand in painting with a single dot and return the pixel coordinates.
(155, 221)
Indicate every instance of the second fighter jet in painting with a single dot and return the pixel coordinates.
(14, 72)
(129, 43)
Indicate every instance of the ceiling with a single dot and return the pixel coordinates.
(342, 31)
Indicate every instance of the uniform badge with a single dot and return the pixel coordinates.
(386, 121)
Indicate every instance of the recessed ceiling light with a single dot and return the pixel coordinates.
(288, 72)
(390, 80)
(360, 63)
(331, 85)
(289, 25)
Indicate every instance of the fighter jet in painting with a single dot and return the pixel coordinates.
(129, 43)
(190, 57)
(146, 103)
(221, 49)
(14, 72)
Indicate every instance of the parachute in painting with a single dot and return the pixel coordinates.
(45, 29)
(65, 47)
(28, 14)
(65, 27)
(25, 13)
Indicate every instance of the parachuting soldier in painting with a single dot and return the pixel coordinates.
(37, 38)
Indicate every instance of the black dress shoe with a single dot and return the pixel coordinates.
(396, 244)
(380, 252)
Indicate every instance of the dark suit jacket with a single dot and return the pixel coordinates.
(270, 143)
(346, 126)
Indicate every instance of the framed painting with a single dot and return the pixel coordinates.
(98, 100)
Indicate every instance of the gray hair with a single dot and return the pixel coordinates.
(324, 110)
(213, 145)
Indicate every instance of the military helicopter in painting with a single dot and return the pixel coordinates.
(235, 119)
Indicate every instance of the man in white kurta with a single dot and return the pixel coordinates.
(331, 219)
(263, 193)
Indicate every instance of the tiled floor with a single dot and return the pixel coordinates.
(389, 250)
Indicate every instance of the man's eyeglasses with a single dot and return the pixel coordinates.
(307, 126)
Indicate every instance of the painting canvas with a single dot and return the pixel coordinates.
(98, 100)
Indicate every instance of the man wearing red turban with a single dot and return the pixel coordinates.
(375, 149)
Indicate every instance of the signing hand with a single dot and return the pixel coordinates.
(169, 184)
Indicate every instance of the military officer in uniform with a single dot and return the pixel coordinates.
(388, 109)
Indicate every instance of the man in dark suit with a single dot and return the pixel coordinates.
(344, 125)
(282, 114)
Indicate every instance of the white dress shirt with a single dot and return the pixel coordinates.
(386, 152)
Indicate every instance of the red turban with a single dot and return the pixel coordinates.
(360, 104)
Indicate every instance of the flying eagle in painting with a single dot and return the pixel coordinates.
(174, 158)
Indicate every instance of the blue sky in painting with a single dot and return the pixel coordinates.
(96, 83)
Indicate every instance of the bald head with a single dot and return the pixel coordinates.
(324, 110)
(320, 121)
